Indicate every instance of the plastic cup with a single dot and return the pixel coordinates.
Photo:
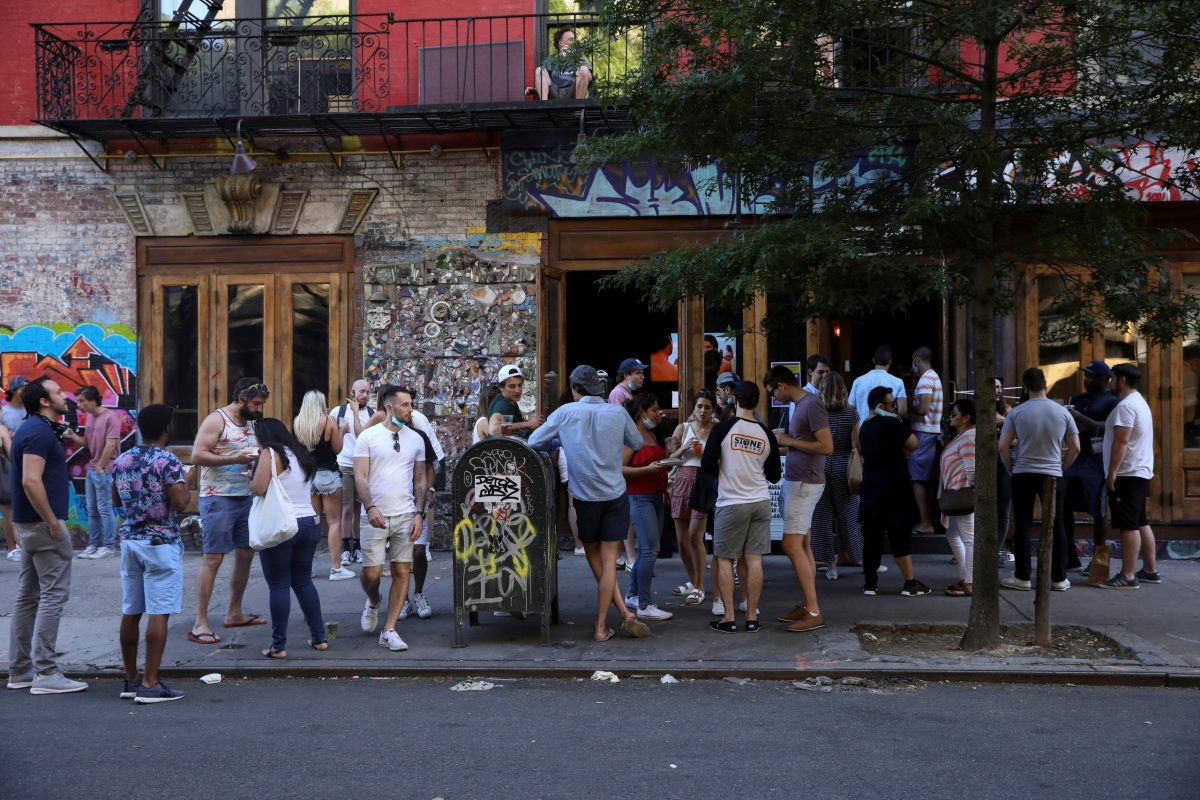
(698, 448)
(331, 629)
(506, 422)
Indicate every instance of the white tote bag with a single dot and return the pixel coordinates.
(272, 519)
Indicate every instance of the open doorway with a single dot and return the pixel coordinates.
(855, 339)
(604, 326)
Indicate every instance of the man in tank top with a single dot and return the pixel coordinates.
(226, 451)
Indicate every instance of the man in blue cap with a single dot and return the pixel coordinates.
(630, 377)
(1083, 488)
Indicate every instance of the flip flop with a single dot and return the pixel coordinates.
(274, 654)
(203, 638)
(607, 636)
(251, 619)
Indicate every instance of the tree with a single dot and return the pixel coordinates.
(899, 149)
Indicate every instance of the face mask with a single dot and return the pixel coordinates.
(916, 367)
(882, 413)
(649, 423)
(399, 423)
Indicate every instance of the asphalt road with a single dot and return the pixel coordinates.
(411, 738)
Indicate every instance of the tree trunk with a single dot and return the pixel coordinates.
(1041, 601)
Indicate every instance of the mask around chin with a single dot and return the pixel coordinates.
(649, 423)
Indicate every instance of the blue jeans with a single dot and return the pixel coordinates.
(102, 520)
(646, 511)
(288, 568)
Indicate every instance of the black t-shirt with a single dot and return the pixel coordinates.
(886, 497)
(1097, 407)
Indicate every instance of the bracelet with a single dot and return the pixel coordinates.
(370, 507)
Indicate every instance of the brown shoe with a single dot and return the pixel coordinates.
(796, 613)
(810, 622)
(634, 627)
(959, 589)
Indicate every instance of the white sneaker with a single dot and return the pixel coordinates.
(14, 554)
(653, 612)
(341, 574)
(88, 552)
(103, 552)
(882, 569)
(370, 618)
(1060, 586)
(579, 551)
(406, 610)
(423, 609)
(392, 641)
(742, 605)
(56, 684)
(358, 556)
(346, 558)
(632, 602)
(718, 608)
(1013, 582)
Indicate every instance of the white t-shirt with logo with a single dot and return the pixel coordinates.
(1134, 413)
(345, 458)
(390, 480)
(744, 451)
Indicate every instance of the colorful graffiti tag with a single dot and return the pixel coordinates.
(74, 356)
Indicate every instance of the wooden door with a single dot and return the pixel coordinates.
(1180, 422)
(552, 361)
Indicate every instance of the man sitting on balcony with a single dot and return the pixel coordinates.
(563, 75)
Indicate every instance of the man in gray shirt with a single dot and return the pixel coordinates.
(1047, 442)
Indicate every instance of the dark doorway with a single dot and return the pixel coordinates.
(856, 338)
(605, 326)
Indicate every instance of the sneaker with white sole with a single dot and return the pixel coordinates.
(406, 610)
(1119, 581)
(1060, 586)
(1017, 584)
(129, 689)
(103, 552)
(424, 611)
(1147, 577)
(347, 559)
(370, 618)
(19, 681)
(358, 556)
(88, 552)
(341, 574)
(14, 554)
(632, 602)
(56, 683)
(392, 641)
(653, 612)
(158, 693)
(718, 608)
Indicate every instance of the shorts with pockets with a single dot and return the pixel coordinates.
(151, 577)
(800, 500)
(225, 521)
(1127, 504)
(393, 541)
(347, 485)
(742, 528)
(602, 520)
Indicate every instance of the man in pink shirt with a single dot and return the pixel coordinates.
(630, 377)
(103, 438)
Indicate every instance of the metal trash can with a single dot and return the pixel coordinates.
(505, 542)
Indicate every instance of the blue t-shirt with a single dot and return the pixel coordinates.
(37, 439)
(142, 477)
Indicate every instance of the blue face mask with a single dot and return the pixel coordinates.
(399, 423)
(879, 412)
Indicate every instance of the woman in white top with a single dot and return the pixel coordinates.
(287, 567)
(688, 443)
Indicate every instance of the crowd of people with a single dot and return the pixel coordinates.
(856, 466)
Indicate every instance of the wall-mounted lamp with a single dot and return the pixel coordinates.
(242, 163)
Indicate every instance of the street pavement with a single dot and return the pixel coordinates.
(533, 739)
(1159, 624)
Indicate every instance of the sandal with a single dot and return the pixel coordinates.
(321, 646)
(958, 589)
(695, 597)
(684, 589)
(272, 653)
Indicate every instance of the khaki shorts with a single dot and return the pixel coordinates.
(393, 541)
(742, 529)
(347, 485)
(800, 500)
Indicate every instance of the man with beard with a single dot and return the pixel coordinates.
(1083, 482)
(226, 450)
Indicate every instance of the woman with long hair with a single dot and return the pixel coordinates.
(835, 518)
(645, 483)
(958, 472)
(689, 438)
(287, 567)
(321, 434)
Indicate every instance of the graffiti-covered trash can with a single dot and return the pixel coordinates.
(505, 543)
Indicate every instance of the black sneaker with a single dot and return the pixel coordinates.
(1148, 577)
(129, 689)
(753, 626)
(870, 591)
(159, 693)
(914, 588)
(1119, 581)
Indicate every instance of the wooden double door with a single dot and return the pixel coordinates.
(214, 311)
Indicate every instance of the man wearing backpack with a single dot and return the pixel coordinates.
(352, 416)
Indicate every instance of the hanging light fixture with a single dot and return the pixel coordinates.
(242, 163)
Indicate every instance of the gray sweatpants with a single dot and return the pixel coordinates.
(42, 591)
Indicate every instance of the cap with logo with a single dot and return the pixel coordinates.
(509, 371)
(589, 379)
(727, 377)
(1098, 369)
(629, 365)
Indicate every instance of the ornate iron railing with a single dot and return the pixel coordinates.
(356, 64)
(242, 67)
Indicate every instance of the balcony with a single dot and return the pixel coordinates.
(368, 74)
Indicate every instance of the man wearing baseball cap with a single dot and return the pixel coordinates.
(1084, 480)
(511, 381)
(726, 403)
(592, 433)
(630, 377)
(14, 412)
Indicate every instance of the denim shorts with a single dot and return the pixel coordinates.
(327, 482)
(226, 522)
(151, 577)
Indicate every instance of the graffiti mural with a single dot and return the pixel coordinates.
(74, 356)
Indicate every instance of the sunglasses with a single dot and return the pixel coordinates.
(396, 441)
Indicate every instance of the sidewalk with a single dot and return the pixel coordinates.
(1159, 624)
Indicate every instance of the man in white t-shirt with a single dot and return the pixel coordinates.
(352, 417)
(744, 457)
(926, 416)
(878, 376)
(419, 604)
(389, 476)
(1129, 466)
